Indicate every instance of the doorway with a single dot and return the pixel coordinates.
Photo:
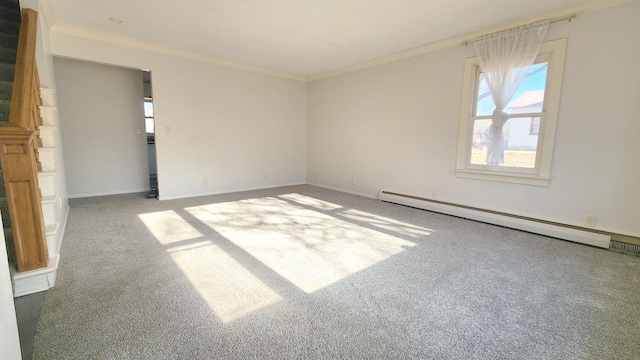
(151, 138)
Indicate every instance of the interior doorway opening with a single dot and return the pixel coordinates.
(151, 138)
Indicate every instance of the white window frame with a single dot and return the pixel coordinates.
(146, 118)
(554, 53)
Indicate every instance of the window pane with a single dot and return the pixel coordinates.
(480, 142)
(148, 122)
(519, 142)
(535, 126)
(484, 103)
(148, 109)
(527, 99)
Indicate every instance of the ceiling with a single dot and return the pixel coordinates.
(298, 37)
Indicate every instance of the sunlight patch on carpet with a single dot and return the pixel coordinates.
(229, 289)
(309, 201)
(310, 249)
(168, 227)
(387, 223)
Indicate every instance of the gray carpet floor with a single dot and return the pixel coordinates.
(308, 273)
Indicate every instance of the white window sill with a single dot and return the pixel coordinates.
(504, 177)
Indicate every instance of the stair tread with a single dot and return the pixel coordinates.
(9, 41)
(47, 149)
(7, 71)
(5, 106)
(9, 27)
(15, 4)
(9, 13)
(49, 199)
(6, 87)
(4, 208)
(51, 229)
(7, 54)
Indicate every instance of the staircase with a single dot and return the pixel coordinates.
(9, 31)
(32, 211)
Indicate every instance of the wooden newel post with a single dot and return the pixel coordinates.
(19, 169)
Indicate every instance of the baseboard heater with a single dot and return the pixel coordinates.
(532, 225)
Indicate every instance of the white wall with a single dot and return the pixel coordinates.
(100, 108)
(231, 126)
(9, 340)
(394, 127)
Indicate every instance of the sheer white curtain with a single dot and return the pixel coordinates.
(504, 58)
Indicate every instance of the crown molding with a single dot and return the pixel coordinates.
(141, 45)
(580, 8)
(577, 9)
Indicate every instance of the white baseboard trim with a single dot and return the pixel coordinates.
(31, 282)
(34, 281)
(162, 198)
(106, 193)
(62, 230)
(343, 190)
(537, 227)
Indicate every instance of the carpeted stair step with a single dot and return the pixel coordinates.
(9, 13)
(9, 41)
(11, 254)
(13, 4)
(4, 208)
(6, 72)
(5, 90)
(8, 55)
(11, 251)
(8, 238)
(9, 27)
(5, 105)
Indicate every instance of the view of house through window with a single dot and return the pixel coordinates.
(529, 132)
(521, 130)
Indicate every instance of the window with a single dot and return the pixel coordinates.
(534, 127)
(529, 133)
(148, 116)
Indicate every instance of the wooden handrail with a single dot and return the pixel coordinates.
(25, 73)
(19, 143)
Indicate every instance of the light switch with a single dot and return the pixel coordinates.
(168, 130)
(137, 131)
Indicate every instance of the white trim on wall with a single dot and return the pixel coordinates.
(536, 227)
(344, 191)
(583, 7)
(105, 193)
(136, 44)
(554, 53)
(160, 197)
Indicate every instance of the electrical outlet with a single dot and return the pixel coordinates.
(434, 195)
(591, 221)
(264, 177)
(138, 132)
(353, 181)
(205, 180)
(315, 175)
